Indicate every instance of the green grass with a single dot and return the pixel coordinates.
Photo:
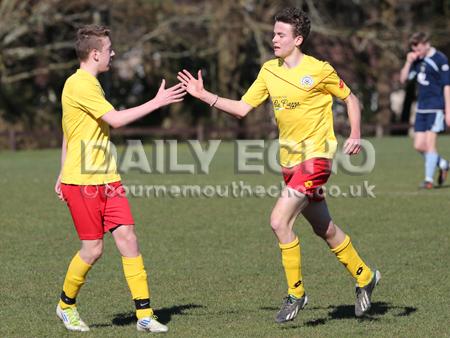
(214, 266)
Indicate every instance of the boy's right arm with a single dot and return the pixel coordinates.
(404, 73)
(63, 158)
(165, 96)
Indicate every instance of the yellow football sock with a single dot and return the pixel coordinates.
(75, 278)
(348, 256)
(290, 257)
(136, 276)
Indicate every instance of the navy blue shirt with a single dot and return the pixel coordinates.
(432, 74)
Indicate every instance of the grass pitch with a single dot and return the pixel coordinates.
(214, 266)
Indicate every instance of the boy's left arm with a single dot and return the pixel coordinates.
(352, 145)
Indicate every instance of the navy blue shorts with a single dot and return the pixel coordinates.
(434, 122)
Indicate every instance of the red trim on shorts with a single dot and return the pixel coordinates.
(308, 177)
(96, 209)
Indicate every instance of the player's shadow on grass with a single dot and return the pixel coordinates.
(164, 315)
(348, 312)
(378, 310)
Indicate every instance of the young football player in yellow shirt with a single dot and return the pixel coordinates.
(301, 89)
(89, 182)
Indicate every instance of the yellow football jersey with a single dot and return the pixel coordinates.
(302, 100)
(88, 160)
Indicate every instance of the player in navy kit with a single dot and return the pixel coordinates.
(430, 68)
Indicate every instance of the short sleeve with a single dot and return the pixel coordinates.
(444, 72)
(333, 84)
(257, 93)
(91, 98)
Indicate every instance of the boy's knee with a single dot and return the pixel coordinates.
(277, 223)
(420, 147)
(126, 241)
(92, 253)
(127, 238)
(97, 252)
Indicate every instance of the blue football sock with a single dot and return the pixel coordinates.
(431, 161)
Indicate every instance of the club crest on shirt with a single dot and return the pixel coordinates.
(306, 81)
(308, 184)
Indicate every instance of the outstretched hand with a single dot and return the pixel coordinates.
(352, 146)
(170, 95)
(193, 86)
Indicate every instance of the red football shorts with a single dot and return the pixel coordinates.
(308, 177)
(96, 209)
